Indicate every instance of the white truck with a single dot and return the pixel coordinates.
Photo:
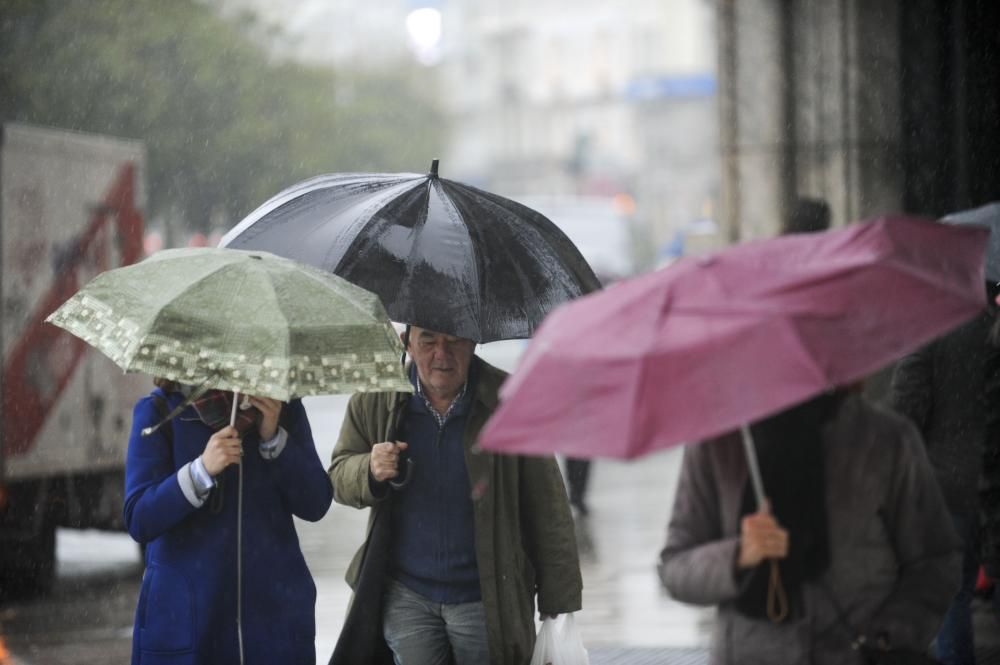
(70, 207)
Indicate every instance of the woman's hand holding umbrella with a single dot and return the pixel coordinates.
(224, 448)
(761, 537)
(270, 410)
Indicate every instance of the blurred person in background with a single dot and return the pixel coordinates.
(807, 215)
(578, 469)
(577, 477)
(942, 389)
(460, 541)
(989, 480)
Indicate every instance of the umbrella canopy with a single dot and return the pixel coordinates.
(987, 216)
(440, 254)
(249, 322)
(711, 343)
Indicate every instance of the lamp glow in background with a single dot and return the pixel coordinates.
(424, 27)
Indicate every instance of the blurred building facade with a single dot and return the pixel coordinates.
(558, 98)
(878, 106)
(587, 98)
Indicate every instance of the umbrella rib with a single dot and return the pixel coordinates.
(372, 212)
(232, 322)
(806, 352)
(662, 312)
(281, 198)
(497, 204)
(272, 204)
(155, 319)
(287, 326)
(922, 277)
(343, 288)
(476, 262)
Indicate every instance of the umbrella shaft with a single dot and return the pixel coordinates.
(752, 466)
(239, 539)
(239, 558)
(232, 415)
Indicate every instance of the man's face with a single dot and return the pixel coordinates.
(442, 360)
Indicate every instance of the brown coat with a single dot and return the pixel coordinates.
(525, 543)
(894, 553)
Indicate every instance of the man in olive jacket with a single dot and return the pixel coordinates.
(459, 540)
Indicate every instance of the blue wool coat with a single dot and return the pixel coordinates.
(186, 614)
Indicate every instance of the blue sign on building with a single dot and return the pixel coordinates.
(674, 86)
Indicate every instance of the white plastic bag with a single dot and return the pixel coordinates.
(559, 643)
(544, 652)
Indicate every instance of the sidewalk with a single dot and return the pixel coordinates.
(620, 541)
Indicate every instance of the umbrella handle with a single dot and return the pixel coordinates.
(407, 477)
(777, 599)
(232, 416)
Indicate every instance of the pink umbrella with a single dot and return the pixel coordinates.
(710, 344)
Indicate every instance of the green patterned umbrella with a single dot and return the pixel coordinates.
(250, 322)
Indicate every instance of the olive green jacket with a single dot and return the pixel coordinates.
(525, 543)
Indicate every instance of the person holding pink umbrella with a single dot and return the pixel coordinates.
(869, 558)
(854, 516)
(941, 389)
(844, 545)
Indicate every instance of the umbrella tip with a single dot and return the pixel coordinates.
(434, 168)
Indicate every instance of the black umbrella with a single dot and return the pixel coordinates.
(440, 254)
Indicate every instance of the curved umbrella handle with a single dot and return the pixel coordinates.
(777, 600)
(407, 476)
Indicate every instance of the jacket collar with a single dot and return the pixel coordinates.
(488, 383)
(459, 406)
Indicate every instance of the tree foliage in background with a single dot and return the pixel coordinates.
(225, 124)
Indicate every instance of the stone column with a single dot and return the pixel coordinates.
(810, 106)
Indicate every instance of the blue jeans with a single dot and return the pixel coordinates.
(955, 641)
(422, 632)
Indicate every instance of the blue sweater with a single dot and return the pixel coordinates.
(434, 544)
(186, 612)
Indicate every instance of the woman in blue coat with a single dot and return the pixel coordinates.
(181, 502)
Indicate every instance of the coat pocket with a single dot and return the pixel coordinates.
(168, 616)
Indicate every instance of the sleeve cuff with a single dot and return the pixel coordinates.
(378, 490)
(203, 481)
(185, 478)
(271, 449)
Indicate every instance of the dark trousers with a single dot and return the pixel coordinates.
(955, 641)
(577, 474)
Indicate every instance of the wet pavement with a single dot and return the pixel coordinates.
(87, 620)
